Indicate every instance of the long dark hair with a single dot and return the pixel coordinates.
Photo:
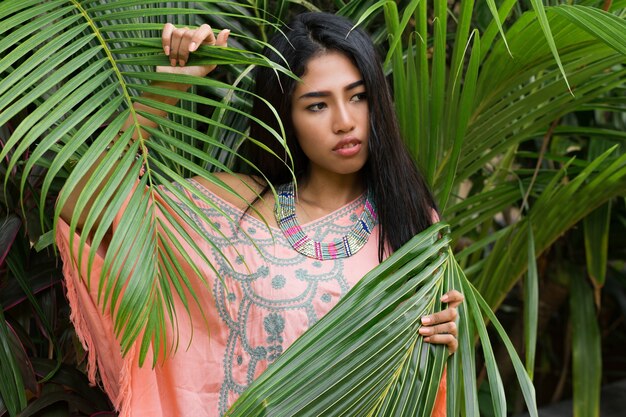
(404, 204)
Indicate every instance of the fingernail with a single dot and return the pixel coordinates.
(423, 330)
(444, 298)
(173, 62)
(181, 62)
(427, 339)
(193, 46)
(167, 50)
(426, 320)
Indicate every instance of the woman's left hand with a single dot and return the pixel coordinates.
(440, 328)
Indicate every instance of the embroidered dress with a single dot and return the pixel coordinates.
(267, 297)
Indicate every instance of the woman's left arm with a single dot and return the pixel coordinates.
(440, 328)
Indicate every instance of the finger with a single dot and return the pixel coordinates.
(183, 48)
(454, 298)
(203, 34)
(444, 339)
(449, 314)
(444, 328)
(177, 38)
(166, 37)
(222, 37)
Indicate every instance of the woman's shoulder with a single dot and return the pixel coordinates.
(239, 190)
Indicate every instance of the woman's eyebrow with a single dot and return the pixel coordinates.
(327, 93)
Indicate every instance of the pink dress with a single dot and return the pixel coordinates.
(267, 297)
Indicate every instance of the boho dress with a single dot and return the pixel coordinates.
(266, 298)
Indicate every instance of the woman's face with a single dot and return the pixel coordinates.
(331, 116)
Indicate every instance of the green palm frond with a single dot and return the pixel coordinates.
(466, 113)
(366, 357)
(81, 66)
(587, 349)
(559, 207)
(496, 93)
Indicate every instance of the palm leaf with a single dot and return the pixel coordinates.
(531, 304)
(365, 357)
(601, 180)
(597, 23)
(98, 60)
(513, 103)
(508, 89)
(596, 230)
(586, 348)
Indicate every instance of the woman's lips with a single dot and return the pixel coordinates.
(348, 147)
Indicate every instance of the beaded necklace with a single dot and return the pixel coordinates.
(347, 245)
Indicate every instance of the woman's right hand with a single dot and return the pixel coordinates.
(178, 43)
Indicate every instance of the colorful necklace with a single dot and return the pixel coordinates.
(347, 245)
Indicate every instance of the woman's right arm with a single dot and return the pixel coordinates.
(178, 43)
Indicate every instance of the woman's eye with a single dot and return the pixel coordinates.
(359, 97)
(316, 107)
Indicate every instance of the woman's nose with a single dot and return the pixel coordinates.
(343, 120)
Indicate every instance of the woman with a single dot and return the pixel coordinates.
(358, 197)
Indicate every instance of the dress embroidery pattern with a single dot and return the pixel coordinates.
(274, 325)
(262, 291)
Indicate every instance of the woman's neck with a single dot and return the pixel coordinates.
(320, 195)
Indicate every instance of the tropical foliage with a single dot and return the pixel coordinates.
(380, 365)
(513, 110)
